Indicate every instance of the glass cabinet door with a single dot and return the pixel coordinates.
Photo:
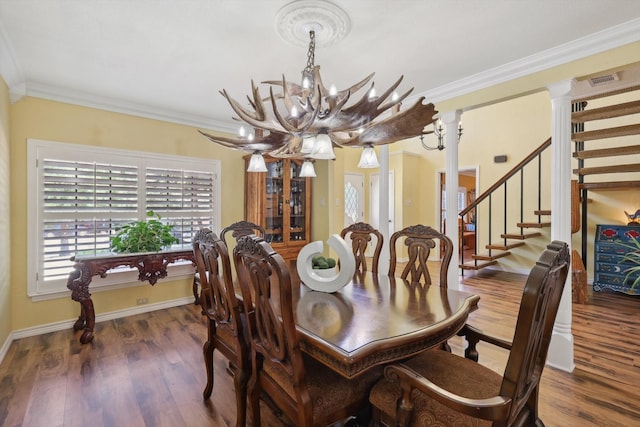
(297, 202)
(274, 209)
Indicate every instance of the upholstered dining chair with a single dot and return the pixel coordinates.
(440, 388)
(306, 392)
(225, 330)
(360, 235)
(420, 241)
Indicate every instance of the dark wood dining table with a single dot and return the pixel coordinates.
(376, 319)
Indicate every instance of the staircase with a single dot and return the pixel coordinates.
(617, 157)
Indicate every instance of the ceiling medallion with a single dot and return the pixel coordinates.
(330, 23)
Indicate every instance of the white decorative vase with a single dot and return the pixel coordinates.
(328, 280)
(326, 272)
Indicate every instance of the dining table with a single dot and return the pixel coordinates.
(376, 319)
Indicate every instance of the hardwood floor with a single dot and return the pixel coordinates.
(147, 370)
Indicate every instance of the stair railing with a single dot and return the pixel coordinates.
(502, 182)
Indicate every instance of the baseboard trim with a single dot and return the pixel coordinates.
(68, 324)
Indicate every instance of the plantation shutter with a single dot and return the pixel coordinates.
(79, 195)
(82, 203)
(184, 198)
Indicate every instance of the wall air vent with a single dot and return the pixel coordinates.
(603, 80)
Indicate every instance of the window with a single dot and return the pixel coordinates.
(79, 194)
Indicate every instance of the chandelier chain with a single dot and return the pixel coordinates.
(311, 52)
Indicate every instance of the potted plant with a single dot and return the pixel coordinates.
(143, 236)
(634, 258)
(325, 267)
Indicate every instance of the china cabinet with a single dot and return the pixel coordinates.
(280, 201)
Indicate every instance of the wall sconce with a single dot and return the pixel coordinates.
(439, 132)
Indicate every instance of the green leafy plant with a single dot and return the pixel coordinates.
(632, 257)
(143, 236)
(321, 263)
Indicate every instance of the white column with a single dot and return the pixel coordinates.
(561, 347)
(383, 213)
(450, 120)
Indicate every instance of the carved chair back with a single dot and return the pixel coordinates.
(225, 327)
(537, 314)
(361, 234)
(420, 241)
(242, 228)
(306, 391)
(455, 390)
(274, 342)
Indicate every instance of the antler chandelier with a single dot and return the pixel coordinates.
(305, 121)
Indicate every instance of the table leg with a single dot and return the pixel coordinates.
(90, 318)
(78, 283)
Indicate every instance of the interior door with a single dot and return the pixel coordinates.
(353, 198)
(374, 207)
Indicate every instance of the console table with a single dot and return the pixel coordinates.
(151, 267)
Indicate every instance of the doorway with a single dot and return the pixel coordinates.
(353, 198)
(467, 188)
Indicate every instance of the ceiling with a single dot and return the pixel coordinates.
(168, 59)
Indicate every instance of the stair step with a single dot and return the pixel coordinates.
(534, 224)
(607, 152)
(494, 255)
(542, 212)
(607, 112)
(621, 185)
(505, 247)
(475, 265)
(608, 169)
(606, 133)
(520, 236)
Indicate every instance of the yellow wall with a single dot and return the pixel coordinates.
(513, 127)
(5, 220)
(49, 120)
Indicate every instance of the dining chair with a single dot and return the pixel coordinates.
(237, 229)
(420, 241)
(225, 330)
(441, 388)
(304, 390)
(360, 235)
(242, 228)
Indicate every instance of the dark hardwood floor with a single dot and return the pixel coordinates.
(147, 370)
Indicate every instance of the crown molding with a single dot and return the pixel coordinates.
(592, 44)
(59, 94)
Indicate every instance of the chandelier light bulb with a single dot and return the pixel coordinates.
(394, 96)
(372, 93)
(332, 90)
(250, 137)
(241, 132)
(294, 111)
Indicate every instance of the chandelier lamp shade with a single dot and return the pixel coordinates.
(307, 169)
(308, 120)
